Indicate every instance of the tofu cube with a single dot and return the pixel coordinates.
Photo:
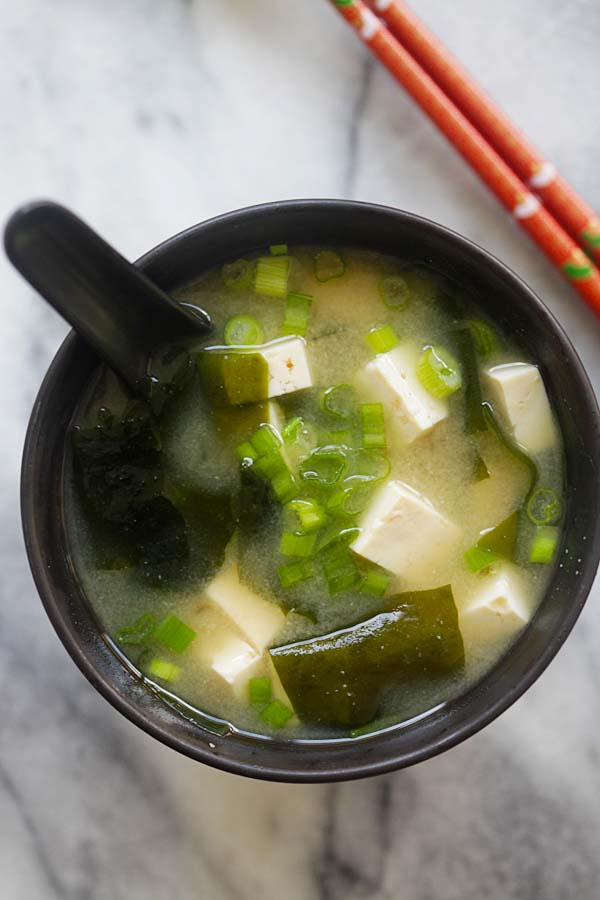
(257, 619)
(518, 394)
(404, 533)
(497, 608)
(236, 662)
(288, 366)
(391, 379)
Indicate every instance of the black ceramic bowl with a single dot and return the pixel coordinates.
(506, 299)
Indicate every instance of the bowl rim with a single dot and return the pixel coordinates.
(152, 725)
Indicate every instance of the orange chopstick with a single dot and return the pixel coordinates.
(505, 184)
(562, 200)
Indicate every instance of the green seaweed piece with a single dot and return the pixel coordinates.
(511, 446)
(233, 377)
(480, 470)
(502, 538)
(338, 678)
(474, 417)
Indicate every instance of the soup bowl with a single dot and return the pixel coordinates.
(507, 300)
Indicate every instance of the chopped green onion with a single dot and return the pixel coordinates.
(244, 331)
(349, 500)
(284, 486)
(308, 515)
(297, 544)
(544, 544)
(340, 570)
(138, 633)
(265, 440)
(381, 339)
(375, 582)
(260, 690)
(477, 559)
(372, 425)
(325, 465)
(394, 291)
(328, 264)
(297, 312)
(292, 429)
(368, 466)
(439, 372)
(543, 507)
(276, 714)
(278, 249)
(334, 538)
(174, 634)
(484, 337)
(246, 451)
(295, 572)
(237, 275)
(271, 276)
(339, 401)
(166, 671)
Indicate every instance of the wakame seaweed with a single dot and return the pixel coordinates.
(338, 678)
(118, 461)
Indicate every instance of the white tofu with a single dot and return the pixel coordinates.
(518, 393)
(391, 379)
(257, 619)
(404, 533)
(288, 366)
(497, 608)
(236, 662)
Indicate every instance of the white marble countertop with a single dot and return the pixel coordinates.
(146, 117)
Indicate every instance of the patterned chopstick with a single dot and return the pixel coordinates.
(509, 189)
(568, 207)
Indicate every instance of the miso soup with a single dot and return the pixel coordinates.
(333, 514)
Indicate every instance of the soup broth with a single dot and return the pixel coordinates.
(333, 514)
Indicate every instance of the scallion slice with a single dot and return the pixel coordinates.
(292, 429)
(297, 313)
(237, 275)
(285, 486)
(295, 572)
(382, 339)
(349, 500)
(260, 690)
(340, 570)
(265, 440)
(278, 249)
(544, 544)
(339, 401)
(246, 451)
(328, 264)
(439, 372)
(243, 331)
(484, 337)
(324, 466)
(271, 276)
(166, 671)
(543, 507)
(477, 559)
(276, 714)
(334, 538)
(174, 634)
(137, 634)
(375, 582)
(297, 544)
(307, 515)
(370, 466)
(372, 425)
(394, 291)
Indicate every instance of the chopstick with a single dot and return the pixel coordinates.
(567, 206)
(509, 189)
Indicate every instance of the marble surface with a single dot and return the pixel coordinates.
(147, 117)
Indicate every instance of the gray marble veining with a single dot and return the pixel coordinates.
(147, 117)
